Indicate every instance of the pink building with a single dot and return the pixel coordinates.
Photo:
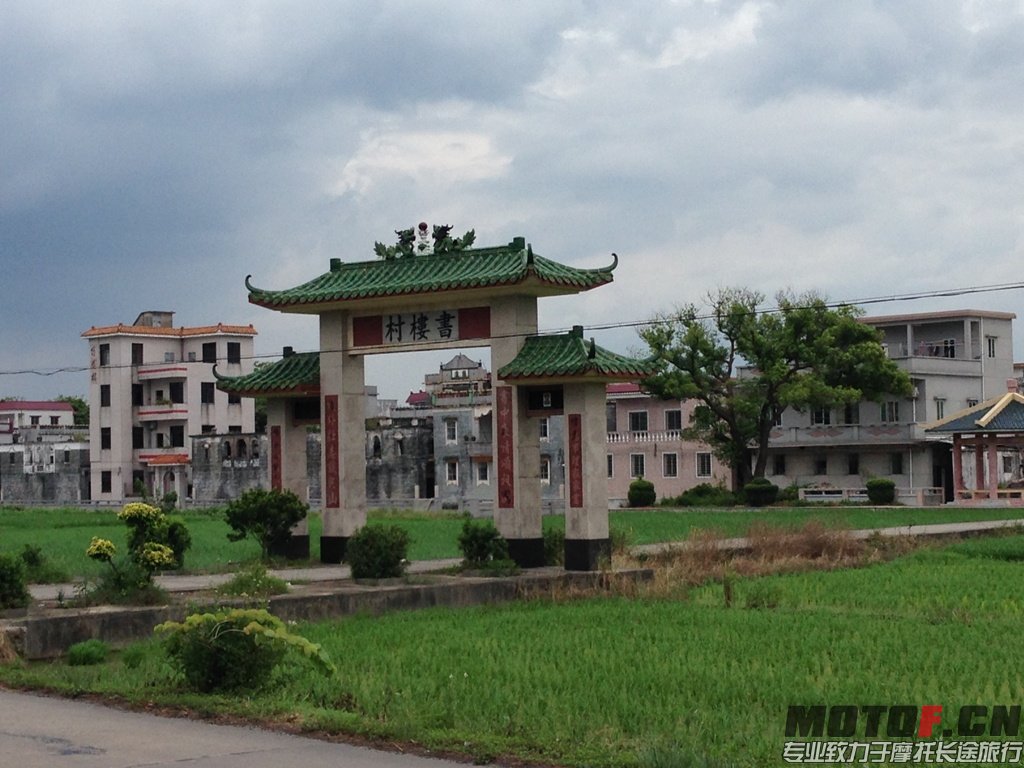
(645, 440)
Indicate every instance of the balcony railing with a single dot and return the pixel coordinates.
(846, 434)
(665, 436)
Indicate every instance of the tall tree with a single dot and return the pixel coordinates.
(744, 365)
(80, 406)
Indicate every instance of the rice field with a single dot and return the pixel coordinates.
(675, 678)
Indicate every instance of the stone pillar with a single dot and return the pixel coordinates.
(587, 541)
(343, 424)
(517, 505)
(979, 463)
(958, 467)
(993, 467)
(287, 463)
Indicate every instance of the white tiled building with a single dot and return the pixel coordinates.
(151, 387)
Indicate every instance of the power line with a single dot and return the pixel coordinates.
(414, 347)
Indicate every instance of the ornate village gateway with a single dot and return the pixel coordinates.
(434, 292)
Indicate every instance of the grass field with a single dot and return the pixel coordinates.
(64, 534)
(647, 680)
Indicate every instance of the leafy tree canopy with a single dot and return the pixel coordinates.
(744, 364)
(80, 407)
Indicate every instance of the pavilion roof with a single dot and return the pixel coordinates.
(294, 374)
(569, 356)
(1004, 413)
(510, 265)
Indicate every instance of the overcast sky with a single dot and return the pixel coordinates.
(152, 154)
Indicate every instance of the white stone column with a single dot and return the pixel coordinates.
(343, 424)
(587, 541)
(287, 464)
(517, 503)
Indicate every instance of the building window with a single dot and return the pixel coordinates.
(33, 420)
(451, 469)
(138, 435)
(942, 348)
(67, 457)
(821, 465)
(206, 390)
(890, 411)
(177, 391)
(669, 465)
(54, 421)
(673, 420)
(611, 465)
(851, 413)
(896, 463)
(234, 399)
(636, 465)
(853, 464)
(208, 429)
(990, 345)
(1007, 465)
(105, 482)
(451, 430)
(543, 427)
(377, 450)
(177, 436)
(483, 472)
(234, 352)
(104, 395)
(611, 417)
(821, 416)
(210, 352)
(104, 354)
(235, 429)
(168, 357)
(545, 469)
(136, 353)
(777, 417)
(971, 402)
(703, 464)
(638, 421)
(104, 438)
(779, 464)
(136, 394)
(940, 408)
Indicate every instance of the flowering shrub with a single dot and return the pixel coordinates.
(102, 550)
(153, 556)
(234, 649)
(148, 524)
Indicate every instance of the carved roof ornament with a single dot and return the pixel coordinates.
(423, 240)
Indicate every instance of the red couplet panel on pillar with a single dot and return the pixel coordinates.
(575, 423)
(506, 449)
(333, 490)
(275, 458)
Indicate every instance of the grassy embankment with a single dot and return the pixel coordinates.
(64, 534)
(670, 677)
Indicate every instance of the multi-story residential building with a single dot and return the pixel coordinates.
(645, 439)
(16, 415)
(955, 360)
(151, 386)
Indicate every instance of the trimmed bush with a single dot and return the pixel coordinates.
(13, 593)
(881, 490)
(378, 552)
(267, 516)
(641, 493)
(87, 653)
(760, 492)
(234, 649)
(480, 543)
(703, 495)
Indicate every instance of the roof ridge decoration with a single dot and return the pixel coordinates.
(422, 241)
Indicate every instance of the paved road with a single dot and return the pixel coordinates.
(42, 732)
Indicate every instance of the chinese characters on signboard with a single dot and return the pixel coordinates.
(438, 325)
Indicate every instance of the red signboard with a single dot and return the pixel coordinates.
(506, 449)
(332, 491)
(275, 458)
(435, 326)
(575, 424)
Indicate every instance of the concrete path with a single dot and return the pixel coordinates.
(192, 583)
(42, 732)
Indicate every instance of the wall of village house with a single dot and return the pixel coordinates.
(52, 473)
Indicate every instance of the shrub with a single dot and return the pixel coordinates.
(87, 653)
(881, 490)
(621, 540)
(149, 525)
(13, 593)
(38, 570)
(267, 516)
(704, 495)
(129, 579)
(554, 546)
(789, 494)
(480, 543)
(760, 492)
(254, 581)
(234, 649)
(377, 552)
(641, 493)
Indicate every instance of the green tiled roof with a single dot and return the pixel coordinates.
(291, 375)
(569, 356)
(510, 264)
(998, 414)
